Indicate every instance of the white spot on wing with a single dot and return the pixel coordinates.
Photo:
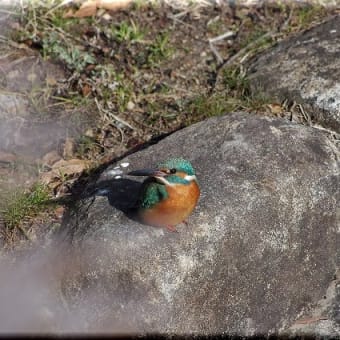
(114, 172)
(124, 165)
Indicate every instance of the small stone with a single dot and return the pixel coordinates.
(130, 105)
(31, 77)
(89, 133)
(107, 17)
(101, 12)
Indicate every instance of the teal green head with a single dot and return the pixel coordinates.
(177, 170)
(175, 173)
(171, 172)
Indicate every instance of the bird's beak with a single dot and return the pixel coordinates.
(148, 172)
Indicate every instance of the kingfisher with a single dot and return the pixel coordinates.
(168, 195)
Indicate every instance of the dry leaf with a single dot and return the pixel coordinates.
(69, 14)
(61, 168)
(90, 67)
(113, 5)
(50, 178)
(275, 108)
(59, 212)
(70, 167)
(86, 90)
(87, 9)
(51, 157)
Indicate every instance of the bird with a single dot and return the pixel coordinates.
(168, 195)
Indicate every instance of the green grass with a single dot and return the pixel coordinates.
(214, 27)
(206, 106)
(21, 205)
(160, 49)
(74, 58)
(307, 14)
(236, 81)
(86, 145)
(112, 86)
(236, 95)
(127, 32)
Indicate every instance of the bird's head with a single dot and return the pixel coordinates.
(172, 172)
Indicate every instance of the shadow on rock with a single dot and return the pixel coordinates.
(121, 193)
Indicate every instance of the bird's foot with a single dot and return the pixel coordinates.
(172, 228)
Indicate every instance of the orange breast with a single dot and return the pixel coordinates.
(175, 209)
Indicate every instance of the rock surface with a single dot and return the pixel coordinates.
(261, 246)
(324, 318)
(305, 68)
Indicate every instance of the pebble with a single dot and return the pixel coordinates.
(130, 105)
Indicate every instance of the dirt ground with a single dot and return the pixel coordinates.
(76, 93)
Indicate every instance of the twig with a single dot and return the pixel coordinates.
(286, 22)
(305, 115)
(335, 135)
(225, 35)
(247, 48)
(245, 57)
(147, 126)
(175, 18)
(63, 3)
(109, 115)
(213, 48)
(81, 41)
(13, 44)
(211, 21)
(217, 55)
(24, 232)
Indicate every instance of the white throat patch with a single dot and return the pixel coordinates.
(163, 180)
(190, 178)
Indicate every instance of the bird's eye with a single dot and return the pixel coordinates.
(173, 171)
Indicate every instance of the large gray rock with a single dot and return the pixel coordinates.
(305, 68)
(324, 318)
(261, 246)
